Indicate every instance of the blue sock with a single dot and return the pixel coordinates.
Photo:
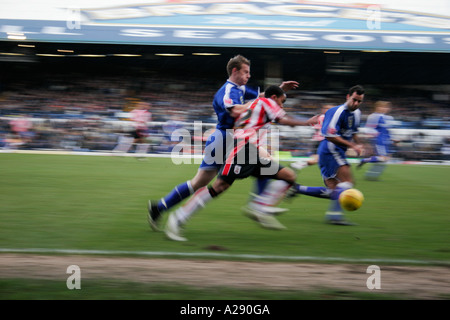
(319, 192)
(371, 159)
(375, 171)
(334, 197)
(178, 194)
(335, 210)
(261, 184)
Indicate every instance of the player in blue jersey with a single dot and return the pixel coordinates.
(339, 129)
(229, 102)
(378, 124)
(248, 157)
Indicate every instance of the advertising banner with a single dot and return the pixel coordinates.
(354, 25)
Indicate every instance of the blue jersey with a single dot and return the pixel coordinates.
(378, 123)
(341, 122)
(226, 97)
(338, 122)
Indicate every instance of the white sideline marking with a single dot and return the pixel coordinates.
(189, 156)
(219, 255)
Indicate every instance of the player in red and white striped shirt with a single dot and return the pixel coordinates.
(140, 117)
(258, 115)
(317, 138)
(248, 158)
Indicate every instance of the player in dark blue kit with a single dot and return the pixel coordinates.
(247, 158)
(229, 102)
(378, 124)
(340, 127)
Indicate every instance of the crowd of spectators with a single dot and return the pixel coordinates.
(83, 113)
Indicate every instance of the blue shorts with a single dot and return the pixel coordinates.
(216, 150)
(331, 157)
(382, 149)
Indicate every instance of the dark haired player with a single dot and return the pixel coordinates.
(261, 111)
(339, 128)
(229, 102)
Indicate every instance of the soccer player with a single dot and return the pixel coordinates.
(340, 126)
(317, 138)
(378, 124)
(247, 158)
(274, 192)
(229, 103)
(140, 116)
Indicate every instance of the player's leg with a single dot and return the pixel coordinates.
(318, 192)
(313, 160)
(178, 219)
(375, 171)
(379, 156)
(379, 163)
(265, 188)
(337, 176)
(301, 164)
(142, 146)
(342, 181)
(124, 144)
(260, 209)
(277, 190)
(371, 159)
(212, 161)
(178, 194)
(207, 171)
(270, 196)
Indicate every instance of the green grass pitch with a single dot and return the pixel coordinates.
(99, 203)
(61, 202)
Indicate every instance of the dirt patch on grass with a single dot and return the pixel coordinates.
(425, 282)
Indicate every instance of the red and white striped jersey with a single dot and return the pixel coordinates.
(140, 118)
(318, 126)
(258, 114)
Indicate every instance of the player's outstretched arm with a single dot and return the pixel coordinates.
(285, 86)
(238, 109)
(289, 85)
(290, 121)
(359, 148)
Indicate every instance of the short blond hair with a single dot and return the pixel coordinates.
(380, 104)
(236, 62)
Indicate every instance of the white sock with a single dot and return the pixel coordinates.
(124, 144)
(142, 148)
(272, 193)
(195, 203)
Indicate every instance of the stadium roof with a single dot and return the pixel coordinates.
(422, 26)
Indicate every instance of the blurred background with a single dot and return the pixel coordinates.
(70, 76)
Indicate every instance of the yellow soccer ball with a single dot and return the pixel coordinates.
(351, 199)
